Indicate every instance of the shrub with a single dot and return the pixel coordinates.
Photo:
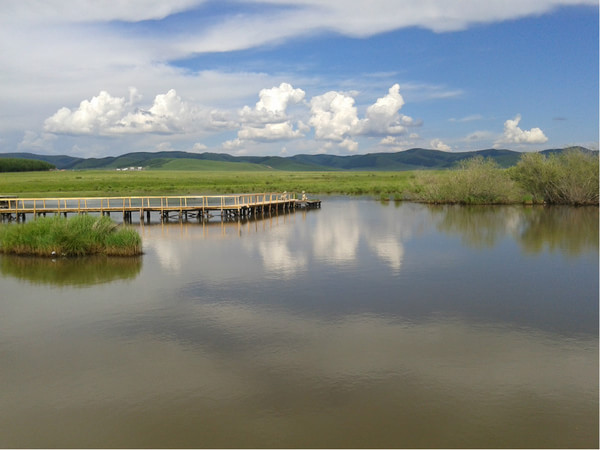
(475, 181)
(568, 178)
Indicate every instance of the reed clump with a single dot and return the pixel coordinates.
(76, 236)
(476, 181)
(570, 178)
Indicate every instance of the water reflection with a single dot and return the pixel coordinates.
(567, 230)
(229, 374)
(85, 271)
(358, 325)
(571, 231)
(478, 226)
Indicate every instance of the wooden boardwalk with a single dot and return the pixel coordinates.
(178, 206)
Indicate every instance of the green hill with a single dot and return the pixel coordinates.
(413, 159)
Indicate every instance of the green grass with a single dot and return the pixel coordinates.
(208, 165)
(96, 183)
(571, 178)
(76, 236)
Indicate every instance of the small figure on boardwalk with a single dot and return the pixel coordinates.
(304, 197)
(284, 196)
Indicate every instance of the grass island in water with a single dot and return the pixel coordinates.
(76, 236)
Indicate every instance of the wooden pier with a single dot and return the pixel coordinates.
(168, 207)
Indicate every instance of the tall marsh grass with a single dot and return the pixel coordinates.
(76, 236)
(570, 178)
(475, 181)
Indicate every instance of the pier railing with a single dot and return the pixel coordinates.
(233, 204)
(134, 203)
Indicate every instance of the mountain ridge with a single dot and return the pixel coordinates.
(412, 159)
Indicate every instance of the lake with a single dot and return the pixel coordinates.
(361, 324)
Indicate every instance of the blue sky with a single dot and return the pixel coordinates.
(281, 77)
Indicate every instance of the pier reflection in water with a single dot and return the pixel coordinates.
(358, 325)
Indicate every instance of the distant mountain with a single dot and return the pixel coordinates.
(413, 159)
(61, 161)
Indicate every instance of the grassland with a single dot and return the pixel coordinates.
(95, 183)
(568, 178)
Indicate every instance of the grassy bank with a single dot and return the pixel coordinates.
(76, 236)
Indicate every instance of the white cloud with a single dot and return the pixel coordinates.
(359, 18)
(437, 144)
(481, 135)
(168, 114)
(199, 147)
(93, 116)
(471, 118)
(232, 144)
(272, 105)
(350, 145)
(277, 99)
(395, 144)
(268, 120)
(106, 115)
(269, 132)
(514, 135)
(62, 11)
(333, 115)
(34, 142)
(382, 118)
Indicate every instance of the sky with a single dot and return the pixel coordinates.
(96, 78)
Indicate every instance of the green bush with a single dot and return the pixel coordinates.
(77, 236)
(568, 178)
(475, 181)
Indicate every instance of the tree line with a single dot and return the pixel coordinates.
(24, 165)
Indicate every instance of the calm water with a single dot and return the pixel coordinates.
(358, 325)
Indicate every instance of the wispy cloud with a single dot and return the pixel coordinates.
(471, 118)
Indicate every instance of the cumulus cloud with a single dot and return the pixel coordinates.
(515, 135)
(268, 120)
(269, 132)
(36, 142)
(93, 116)
(333, 116)
(277, 99)
(107, 115)
(199, 147)
(437, 144)
(382, 118)
(396, 144)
